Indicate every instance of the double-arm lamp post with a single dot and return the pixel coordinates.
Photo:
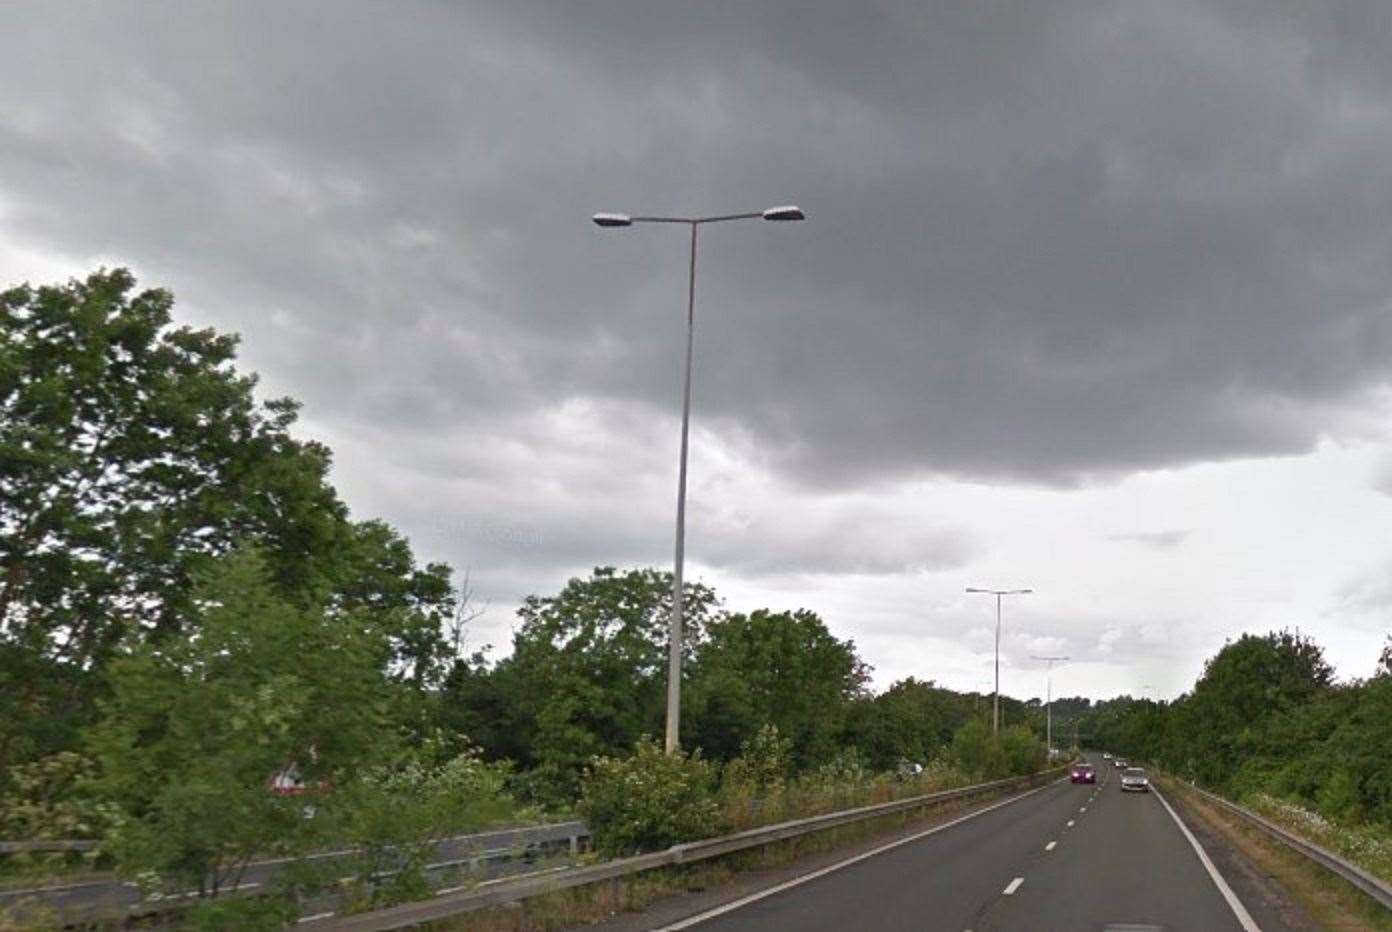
(998, 593)
(674, 640)
(1049, 701)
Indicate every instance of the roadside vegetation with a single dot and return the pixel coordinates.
(207, 660)
(1267, 726)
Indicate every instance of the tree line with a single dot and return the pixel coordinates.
(1267, 716)
(206, 659)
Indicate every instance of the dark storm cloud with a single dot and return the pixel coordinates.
(1048, 242)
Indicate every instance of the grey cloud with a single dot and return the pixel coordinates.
(1051, 242)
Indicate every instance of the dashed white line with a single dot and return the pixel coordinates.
(1013, 886)
(1050, 846)
(1070, 823)
(699, 918)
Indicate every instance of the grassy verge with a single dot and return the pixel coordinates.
(1328, 899)
(1368, 846)
(584, 905)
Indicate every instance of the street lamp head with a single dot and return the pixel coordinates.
(786, 212)
(613, 220)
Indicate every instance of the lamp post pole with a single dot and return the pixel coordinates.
(674, 635)
(1049, 702)
(998, 593)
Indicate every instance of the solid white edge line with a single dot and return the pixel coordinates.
(1012, 886)
(1243, 917)
(733, 905)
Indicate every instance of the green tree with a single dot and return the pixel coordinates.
(780, 668)
(913, 720)
(587, 675)
(975, 752)
(196, 728)
(1243, 685)
(133, 453)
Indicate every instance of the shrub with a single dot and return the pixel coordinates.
(974, 752)
(1339, 798)
(762, 765)
(1021, 752)
(984, 756)
(395, 817)
(648, 801)
(53, 798)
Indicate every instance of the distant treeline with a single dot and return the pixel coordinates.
(587, 676)
(1268, 717)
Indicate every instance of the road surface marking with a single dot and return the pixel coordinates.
(1070, 823)
(1014, 885)
(733, 905)
(1050, 846)
(1082, 808)
(1243, 917)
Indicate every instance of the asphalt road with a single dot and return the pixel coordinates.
(1064, 857)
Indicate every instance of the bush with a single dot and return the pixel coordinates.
(1021, 752)
(984, 756)
(53, 798)
(974, 752)
(648, 801)
(396, 816)
(762, 765)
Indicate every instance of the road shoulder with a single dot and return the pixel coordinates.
(1272, 906)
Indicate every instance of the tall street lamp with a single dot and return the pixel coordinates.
(998, 593)
(1049, 701)
(674, 640)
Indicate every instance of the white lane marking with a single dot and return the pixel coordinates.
(1082, 809)
(798, 881)
(1070, 823)
(1050, 846)
(1013, 886)
(1243, 917)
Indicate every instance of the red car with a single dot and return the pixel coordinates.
(1083, 773)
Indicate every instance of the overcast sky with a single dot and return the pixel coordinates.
(1093, 297)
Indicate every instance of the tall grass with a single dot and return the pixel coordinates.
(1368, 845)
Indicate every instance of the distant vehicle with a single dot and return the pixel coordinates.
(1119, 764)
(1083, 773)
(1106, 755)
(1134, 779)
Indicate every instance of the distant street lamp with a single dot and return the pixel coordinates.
(674, 639)
(1049, 701)
(998, 593)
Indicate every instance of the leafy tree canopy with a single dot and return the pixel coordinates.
(779, 668)
(132, 455)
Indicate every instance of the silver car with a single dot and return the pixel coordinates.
(1134, 778)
